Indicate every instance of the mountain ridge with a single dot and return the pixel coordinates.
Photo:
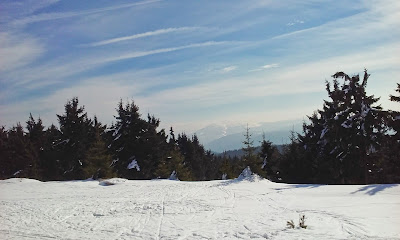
(223, 137)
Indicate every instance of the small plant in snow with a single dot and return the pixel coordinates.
(290, 224)
(302, 222)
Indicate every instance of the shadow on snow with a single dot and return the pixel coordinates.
(373, 189)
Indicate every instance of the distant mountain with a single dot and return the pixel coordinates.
(239, 152)
(220, 138)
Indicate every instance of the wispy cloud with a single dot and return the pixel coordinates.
(307, 77)
(19, 9)
(18, 50)
(229, 69)
(265, 67)
(165, 50)
(268, 66)
(51, 72)
(142, 35)
(295, 22)
(61, 15)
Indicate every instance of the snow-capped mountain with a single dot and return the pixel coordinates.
(223, 137)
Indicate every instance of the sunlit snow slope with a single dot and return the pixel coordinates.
(163, 209)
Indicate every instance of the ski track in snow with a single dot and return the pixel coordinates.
(163, 209)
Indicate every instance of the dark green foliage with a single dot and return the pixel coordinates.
(174, 162)
(134, 139)
(199, 161)
(250, 158)
(294, 167)
(50, 159)
(4, 153)
(97, 161)
(389, 167)
(350, 140)
(227, 168)
(20, 158)
(343, 135)
(267, 154)
(76, 135)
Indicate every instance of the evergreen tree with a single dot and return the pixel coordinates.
(390, 168)
(52, 154)
(226, 169)
(250, 158)
(172, 139)
(197, 159)
(395, 115)
(97, 161)
(19, 160)
(36, 135)
(266, 154)
(343, 135)
(294, 167)
(4, 153)
(136, 142)
(174, 164)
(125, 134)
(75, 129)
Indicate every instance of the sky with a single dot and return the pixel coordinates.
(191, 63)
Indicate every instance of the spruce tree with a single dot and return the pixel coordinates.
(266, 154)
(4, 153)
(294, 167)
(36, 135)
(343, 136)
(97, 161)
(250, 158)
(20, 159)
(198, 160)
(125, 136)
(51, 164)
(136, 141)
(390, 169)
(226, 170)
(75, 129)
(395, 115)
(174, 163)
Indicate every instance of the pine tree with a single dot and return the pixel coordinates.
(266, 154)
(395, 115)
(172, 139)
(250, 158)
(97, 161)
(135, 140)
(75, 127)
(198, 160)
(36, 135)
(19, 160)
(4, 153)
(390, 167)
(174, 163)
(51, 164)
(226, 170)
(294, 167)
(124, 143)
(343, 136)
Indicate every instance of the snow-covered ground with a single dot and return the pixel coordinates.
(164, 209)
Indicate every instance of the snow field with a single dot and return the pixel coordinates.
(163, 209)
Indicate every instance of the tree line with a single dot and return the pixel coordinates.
(351, 140)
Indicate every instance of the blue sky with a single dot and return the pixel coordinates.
(191, 63)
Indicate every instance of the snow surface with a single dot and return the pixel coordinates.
(163, 209)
